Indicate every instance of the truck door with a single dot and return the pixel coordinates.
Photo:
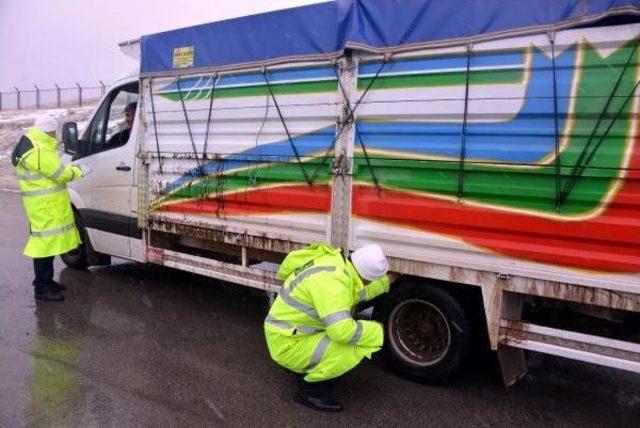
(107, 146)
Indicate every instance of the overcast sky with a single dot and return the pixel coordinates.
(64, 41)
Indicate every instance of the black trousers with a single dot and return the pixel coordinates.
(43, 271)
(323, 389)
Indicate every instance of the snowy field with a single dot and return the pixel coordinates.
(14, 122)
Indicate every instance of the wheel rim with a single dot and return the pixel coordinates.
(419, 332)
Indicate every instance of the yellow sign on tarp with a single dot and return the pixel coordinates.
(183, 57)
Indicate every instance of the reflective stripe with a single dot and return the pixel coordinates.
(58, 172)
(307, 273)
(357, 335)
(30, 176)
(336, 317)
(318, 353)
(302, 307)
(362, 295)
(58, 188)
(285, 293)
(278, 323)
(286, 325)
(51, 232)
(308, 330)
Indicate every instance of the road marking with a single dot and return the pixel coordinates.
(215, 409)
(9, 190)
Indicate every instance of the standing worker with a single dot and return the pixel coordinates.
(42, 178)
(310, 329)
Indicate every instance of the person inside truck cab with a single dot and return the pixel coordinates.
(121, 138)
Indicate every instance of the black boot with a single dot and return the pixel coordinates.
(318, 396)
(44, 287)
(56, 286)
(48, 295)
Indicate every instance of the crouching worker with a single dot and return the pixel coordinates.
(42, 178)
(310, 329)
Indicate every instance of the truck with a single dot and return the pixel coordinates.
(491, 148)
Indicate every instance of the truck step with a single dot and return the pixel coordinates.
(568, 344)
(264, 279)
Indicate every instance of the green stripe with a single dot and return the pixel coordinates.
(457, 78)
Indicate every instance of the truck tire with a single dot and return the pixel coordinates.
(77, 259)
(427, 332)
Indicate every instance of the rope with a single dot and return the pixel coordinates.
(347, 121)
(463, 142)
(555, 119)
(580, 165)
(374, 178)
(155, 126)
(286, 129)
(186, 118)
(206, 134)
(253, 181)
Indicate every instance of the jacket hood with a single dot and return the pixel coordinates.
(299, 258)
(38, 137)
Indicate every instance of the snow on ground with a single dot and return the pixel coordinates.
(13, 124)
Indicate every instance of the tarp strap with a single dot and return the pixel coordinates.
(253, 178)
(206, 182)
(374, 178)
(206, 134)
(155, 126)
(557, 162)
(463, 140)
(220, 183)
(586, 155)
(186, 119)
(286, 129)
(348, 120)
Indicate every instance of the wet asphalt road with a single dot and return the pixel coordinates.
(148, 346)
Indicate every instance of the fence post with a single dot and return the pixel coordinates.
(79, 94)
(102, 88)
(37, 96)
(58, 101)
(17, 97)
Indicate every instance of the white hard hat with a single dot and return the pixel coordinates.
(46, 123)
(370, 262)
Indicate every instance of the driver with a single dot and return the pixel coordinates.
(122, 137)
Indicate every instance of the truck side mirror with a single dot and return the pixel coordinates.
(70, 137)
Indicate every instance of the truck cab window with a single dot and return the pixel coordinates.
(111, 126)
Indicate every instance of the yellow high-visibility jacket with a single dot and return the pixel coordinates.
(310, 328)
(42, 178)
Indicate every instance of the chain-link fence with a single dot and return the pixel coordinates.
(56, 97)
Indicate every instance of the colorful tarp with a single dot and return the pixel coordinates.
(324, 30)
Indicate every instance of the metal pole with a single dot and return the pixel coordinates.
(102, 88)
(79, 94)
(17, 97)
(57, 94)
(37, 96)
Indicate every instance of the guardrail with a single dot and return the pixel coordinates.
(56, 97)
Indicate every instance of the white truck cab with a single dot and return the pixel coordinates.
(106, 198)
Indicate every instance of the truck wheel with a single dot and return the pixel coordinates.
(77, 259)
(427, 332)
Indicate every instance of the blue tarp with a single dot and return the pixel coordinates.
(324, 30)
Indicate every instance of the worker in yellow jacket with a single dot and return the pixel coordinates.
(42, 179)
(310, 328)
